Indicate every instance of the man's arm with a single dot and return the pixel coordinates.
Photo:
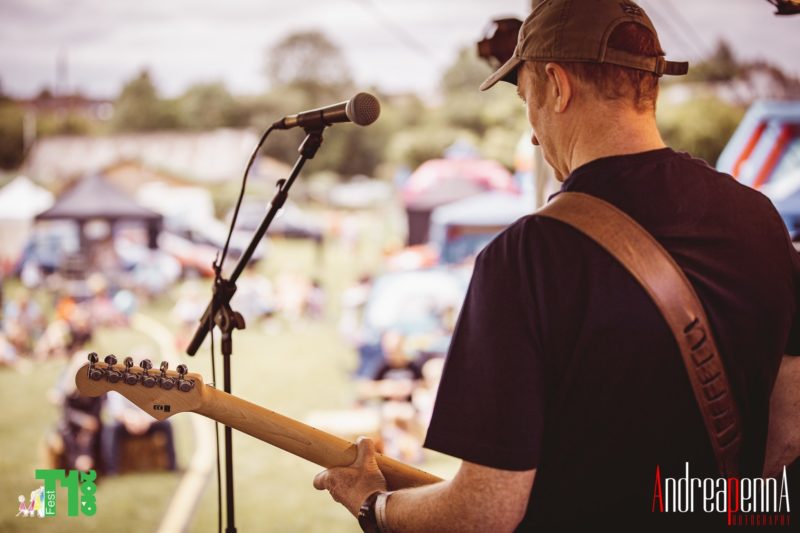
(478, 498)
(783, 439)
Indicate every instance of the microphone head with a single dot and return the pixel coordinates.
(363, 109)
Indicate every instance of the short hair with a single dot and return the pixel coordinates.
(613, 82)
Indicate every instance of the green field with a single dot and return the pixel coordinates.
(292, 369)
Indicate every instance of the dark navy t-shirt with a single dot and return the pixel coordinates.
(561, 362)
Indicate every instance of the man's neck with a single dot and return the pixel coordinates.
(624, 133)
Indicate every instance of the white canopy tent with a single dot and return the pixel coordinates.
(20, 201)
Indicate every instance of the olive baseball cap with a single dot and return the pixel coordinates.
(578, 30)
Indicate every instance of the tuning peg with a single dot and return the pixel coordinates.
(112, 374)
(95, 373)
(147, 379)
(131, 378)
(166, 382)
(184, 385)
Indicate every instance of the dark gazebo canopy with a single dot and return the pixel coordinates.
(93, 198)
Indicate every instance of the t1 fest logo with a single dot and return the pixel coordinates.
(80, 488)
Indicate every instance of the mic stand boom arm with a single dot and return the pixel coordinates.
(308, 150)
(219, 312)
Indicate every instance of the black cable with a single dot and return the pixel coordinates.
(216, 440)
(687, 27)
(218, 265)
(689, 48)
(404, 36)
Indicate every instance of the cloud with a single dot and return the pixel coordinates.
(395, 44)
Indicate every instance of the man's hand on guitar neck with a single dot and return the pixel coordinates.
(478, 498)
(350, 485)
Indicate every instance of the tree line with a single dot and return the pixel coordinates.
(306, 70)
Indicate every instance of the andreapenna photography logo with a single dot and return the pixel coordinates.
(745, 501)
(80, 490)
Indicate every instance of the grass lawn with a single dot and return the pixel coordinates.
(28, 416)
(295, 369)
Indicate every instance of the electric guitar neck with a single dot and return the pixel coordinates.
(163, 393)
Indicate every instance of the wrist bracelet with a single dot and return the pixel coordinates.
(380, 512)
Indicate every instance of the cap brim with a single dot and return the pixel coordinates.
(508, 73)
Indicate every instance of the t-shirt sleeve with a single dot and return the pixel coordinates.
(793, 342)
(490, 404)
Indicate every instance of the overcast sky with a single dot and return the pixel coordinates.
(398, 45)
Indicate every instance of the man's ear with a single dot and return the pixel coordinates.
(561, 85)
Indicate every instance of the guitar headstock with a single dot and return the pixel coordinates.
(160, 393)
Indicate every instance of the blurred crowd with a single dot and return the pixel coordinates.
(398, 323)
(90, 433)
(109, 434)
(403, 388)
(268, 304)
(58, 323)
(399, 365)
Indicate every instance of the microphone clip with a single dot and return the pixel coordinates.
(312, 142)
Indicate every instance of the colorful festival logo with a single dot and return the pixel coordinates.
(80, 494)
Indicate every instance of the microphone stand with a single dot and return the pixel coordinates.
(219, 312)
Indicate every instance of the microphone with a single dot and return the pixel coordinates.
(362, 109)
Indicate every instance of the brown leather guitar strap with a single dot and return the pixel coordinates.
(673, 294)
